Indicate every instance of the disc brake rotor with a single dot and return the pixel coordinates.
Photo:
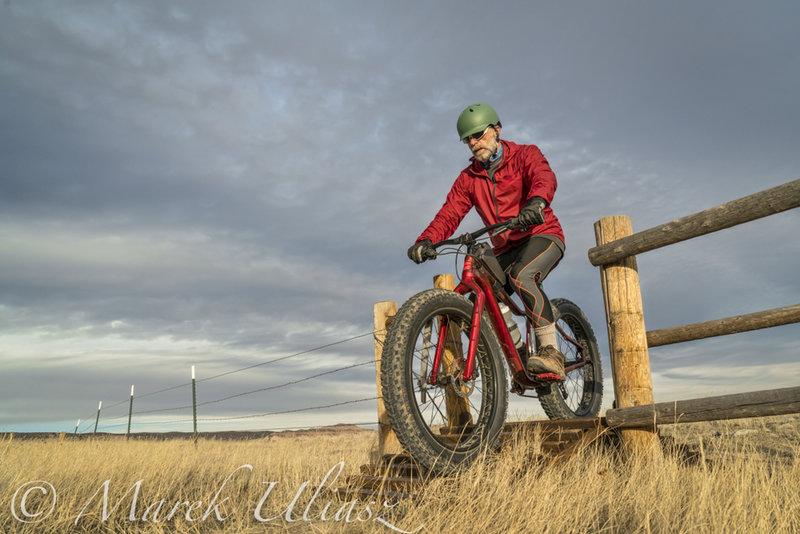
(461, 387)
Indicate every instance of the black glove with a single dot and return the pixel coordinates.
(421, 251)
(532, 213)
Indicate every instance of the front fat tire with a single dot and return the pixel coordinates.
(583, 386)
(414, 415)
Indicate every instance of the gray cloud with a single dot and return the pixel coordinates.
(220, 185)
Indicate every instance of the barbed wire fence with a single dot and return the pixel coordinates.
(98, 422)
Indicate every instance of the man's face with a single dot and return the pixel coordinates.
(485, 147)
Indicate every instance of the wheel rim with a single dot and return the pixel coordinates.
(430, 402)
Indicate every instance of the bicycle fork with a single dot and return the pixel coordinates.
(468, 283)
(474, 333)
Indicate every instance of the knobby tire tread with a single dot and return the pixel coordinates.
(550, 396)
(400, 339)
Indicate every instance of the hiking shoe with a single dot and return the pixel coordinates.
(547, 360)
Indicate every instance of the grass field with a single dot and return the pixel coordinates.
(746, 480)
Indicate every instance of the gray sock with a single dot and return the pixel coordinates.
(546, 335)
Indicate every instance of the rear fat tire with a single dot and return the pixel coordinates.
(416, 417)
(583, 386)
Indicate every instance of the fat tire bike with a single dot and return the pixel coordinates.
(444, 383)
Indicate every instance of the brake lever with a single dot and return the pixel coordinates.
(512, 224)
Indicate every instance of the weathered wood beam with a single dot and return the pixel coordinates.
(775, 200)
(383, 313)
(722, 327)
(736, 406)
(630, 361)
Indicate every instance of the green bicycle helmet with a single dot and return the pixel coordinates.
(476, 118)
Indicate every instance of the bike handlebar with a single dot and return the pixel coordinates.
(469, 238)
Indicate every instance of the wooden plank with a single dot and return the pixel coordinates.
(396, 459)
(775, 200)
(367, 493)
(736, 406)
(399, 470)
(589, 437)
(559, 445)
(557, 424)
(562, 433)
(723, 327)
(397, 477)
(385, 482)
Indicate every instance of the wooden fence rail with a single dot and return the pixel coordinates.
(754, 404)
(635, 413)
(781, 198)
(723, 327)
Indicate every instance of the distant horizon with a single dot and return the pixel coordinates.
(232, 187)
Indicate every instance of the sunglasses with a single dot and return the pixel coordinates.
(477, 136)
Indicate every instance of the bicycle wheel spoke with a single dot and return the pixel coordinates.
(443, 416)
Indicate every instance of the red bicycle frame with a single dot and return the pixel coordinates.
(476, 279)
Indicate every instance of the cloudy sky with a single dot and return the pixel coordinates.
(222, 184)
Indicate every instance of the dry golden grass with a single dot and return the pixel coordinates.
(742, 483)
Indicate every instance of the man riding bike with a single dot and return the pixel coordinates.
(506, 180)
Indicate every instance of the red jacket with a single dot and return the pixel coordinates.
(523, 174)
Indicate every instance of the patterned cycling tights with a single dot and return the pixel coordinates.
(527, 265)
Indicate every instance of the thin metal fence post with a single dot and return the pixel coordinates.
(76, 426)
(194, 405)
(99, 407)
(130, 414)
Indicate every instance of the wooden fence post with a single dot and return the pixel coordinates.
(383, 312)
(627, 339)
(457, 407)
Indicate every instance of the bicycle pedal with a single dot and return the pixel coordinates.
(547, 377)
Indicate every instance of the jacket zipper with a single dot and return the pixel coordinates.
(494, 197)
